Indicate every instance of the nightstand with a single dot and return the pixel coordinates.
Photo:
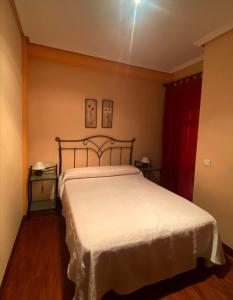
(48, 174)
(148, 170)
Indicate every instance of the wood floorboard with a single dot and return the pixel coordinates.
(38, 271)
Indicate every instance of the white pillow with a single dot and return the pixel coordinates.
(95, 172)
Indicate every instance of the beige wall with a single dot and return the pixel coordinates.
(214, 186)
(56, 108)
(188, 71)
(10, 133)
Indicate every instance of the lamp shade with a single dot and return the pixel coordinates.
(39, 166)
(145, 160)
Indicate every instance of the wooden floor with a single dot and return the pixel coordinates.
(38, 271)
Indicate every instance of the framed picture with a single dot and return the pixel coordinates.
(107, 113)
(90, 113)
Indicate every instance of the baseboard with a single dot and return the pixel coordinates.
(2, 286)
(228, 249)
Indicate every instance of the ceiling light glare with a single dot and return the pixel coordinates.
(137, 2)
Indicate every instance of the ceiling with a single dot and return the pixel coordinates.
(156, 34)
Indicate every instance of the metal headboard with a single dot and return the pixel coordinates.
(90, 144)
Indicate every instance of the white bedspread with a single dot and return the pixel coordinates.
(124, 232)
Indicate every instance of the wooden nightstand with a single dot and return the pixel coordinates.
(148, 170)
(48, 174)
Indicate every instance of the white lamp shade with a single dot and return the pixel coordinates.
(39, 166)
(145, 160)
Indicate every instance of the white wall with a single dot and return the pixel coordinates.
(56, 108)
(214, 186)
(10, 133)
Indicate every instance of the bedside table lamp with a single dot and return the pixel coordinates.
(145, 161)
(38, 167)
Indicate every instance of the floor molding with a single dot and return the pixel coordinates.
(227, 249)
(2, 286)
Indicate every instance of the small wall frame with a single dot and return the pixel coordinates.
(107, 113)
(90, 113)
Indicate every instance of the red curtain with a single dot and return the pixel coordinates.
(181, 117)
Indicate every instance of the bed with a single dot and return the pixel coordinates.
(124, 231)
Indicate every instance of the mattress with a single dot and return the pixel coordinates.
(124, 231)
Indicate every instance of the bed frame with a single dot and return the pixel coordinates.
(98, 144)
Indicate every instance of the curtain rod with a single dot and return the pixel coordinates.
(183, 79)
